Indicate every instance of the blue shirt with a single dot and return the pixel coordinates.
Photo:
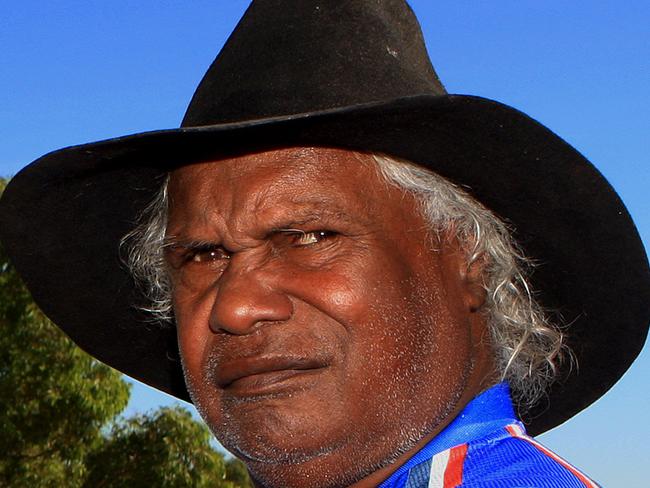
(486, 446)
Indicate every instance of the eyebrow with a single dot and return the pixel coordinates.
(174, 242)
(308, 215)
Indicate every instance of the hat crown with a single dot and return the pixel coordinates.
(300, 56)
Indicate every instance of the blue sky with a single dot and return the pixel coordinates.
(84, 70)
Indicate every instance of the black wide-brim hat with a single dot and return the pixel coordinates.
(348, 74)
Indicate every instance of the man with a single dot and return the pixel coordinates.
(343, 315)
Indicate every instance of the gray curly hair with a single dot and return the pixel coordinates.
(528, 346)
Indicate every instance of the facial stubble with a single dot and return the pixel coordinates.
(229, 432)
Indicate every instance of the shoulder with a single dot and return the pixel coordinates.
(511, 458)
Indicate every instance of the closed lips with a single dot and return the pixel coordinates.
(231, 371)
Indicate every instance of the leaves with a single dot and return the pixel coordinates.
(170, 448)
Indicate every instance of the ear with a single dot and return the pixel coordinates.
(474, 284)
(469, 270)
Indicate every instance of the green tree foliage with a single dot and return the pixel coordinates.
(59, 412)
(237, 473)
(186, 454)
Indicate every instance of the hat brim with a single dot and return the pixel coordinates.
(62, 217)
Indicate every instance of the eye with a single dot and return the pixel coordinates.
(179, 256)
(309, 238)
(300, 238)
(206, 255)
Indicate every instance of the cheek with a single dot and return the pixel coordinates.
(413, 338)
(193, 332)
(377, 301)
(339, 291)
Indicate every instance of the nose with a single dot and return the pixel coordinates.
(246, 297)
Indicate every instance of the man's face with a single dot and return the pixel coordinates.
(322, 328)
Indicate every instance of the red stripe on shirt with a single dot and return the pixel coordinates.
(454, 469)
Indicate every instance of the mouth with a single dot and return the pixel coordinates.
(264, 375)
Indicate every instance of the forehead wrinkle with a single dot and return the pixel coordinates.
(272, 189)
(245, 210)
(281, 198)
(191, 217)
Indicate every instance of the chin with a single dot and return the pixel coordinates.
(275, 430)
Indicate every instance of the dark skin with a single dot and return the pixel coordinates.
(325, 334)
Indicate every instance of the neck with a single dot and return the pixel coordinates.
(325, 471)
